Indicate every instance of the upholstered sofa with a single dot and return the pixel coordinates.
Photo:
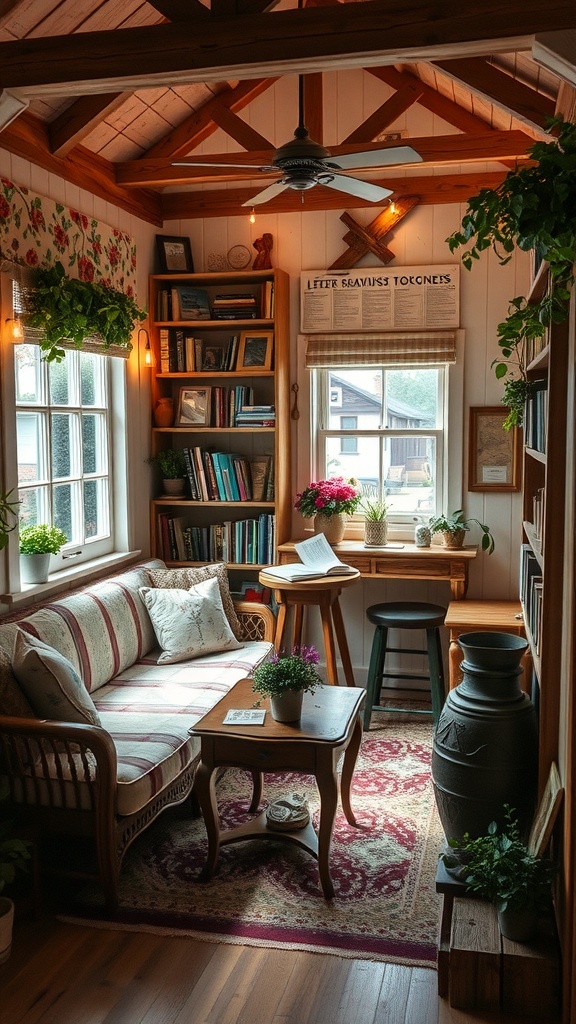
(95, 716)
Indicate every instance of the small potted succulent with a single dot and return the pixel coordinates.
(285, 679)
(499, 867)
(37, 543)
(453, 528)
(375, 512)
(170, 462)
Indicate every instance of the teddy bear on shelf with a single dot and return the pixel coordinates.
(263, 248)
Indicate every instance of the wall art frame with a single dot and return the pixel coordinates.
(194, 407)
(494, 454)
(255, 350)
(174, 255)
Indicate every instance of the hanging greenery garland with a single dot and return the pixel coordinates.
(534, 209)
(68, 309)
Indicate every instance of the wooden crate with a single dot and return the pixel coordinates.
(474, 970)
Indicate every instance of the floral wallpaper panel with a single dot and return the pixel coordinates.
(36, 231)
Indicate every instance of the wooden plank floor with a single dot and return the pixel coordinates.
(65, 974)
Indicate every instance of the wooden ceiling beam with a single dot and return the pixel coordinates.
(430, 191)
(6, 6)
(372, 33)
(517, 99)
(200, 125)
(71, 127)
(237, 129)
(433, 101)
(439, 149)
(28, 138)
(180, 10)
(386, 113)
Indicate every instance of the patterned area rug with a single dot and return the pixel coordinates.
(268, 894)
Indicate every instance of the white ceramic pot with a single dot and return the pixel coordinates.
(34, 568)
(6, 925)
(287, 707)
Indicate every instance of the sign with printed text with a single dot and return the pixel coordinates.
(381, 299)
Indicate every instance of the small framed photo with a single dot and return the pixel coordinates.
(193, 407)
(255, 350)
(212, 358)
(174, 255)
(494, 454)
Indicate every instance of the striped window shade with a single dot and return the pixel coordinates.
(33, 335)
(395, 348)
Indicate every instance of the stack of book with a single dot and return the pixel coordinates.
(256, 416)
(223, 476)
(240, 306)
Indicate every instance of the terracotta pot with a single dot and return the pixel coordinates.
(164, 412)
(332, 527)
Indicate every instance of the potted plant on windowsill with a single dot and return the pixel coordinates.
(499, 867)
(285, 679)
(453, 528)
(37, 543)
(375, 512)
(172, 465)
(329, 502)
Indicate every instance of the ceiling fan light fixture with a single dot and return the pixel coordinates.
(252, 217)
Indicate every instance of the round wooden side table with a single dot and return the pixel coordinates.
(324, 593)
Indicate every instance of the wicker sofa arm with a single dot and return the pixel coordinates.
(257, 620)
(41, 759)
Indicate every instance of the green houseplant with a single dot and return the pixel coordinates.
(285, 679)
(453, 527)
(68, 309)
(8, 517)
(37, 543)
(172, 465)
(534, 208)
(499, 867)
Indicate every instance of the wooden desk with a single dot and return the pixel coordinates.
(324, 593)
(331, 724)
(406, 563)
(484, 617)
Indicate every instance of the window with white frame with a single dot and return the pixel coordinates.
(63, 448)
(384, 426)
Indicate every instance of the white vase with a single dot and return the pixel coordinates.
(34, 568)
(332, 527)
(287, 707)
(6, 925)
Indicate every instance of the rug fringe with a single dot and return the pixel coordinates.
(237, 940)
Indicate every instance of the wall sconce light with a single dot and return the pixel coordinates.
(148, 354)
(392, 206)
(252, 217)
(14, 329)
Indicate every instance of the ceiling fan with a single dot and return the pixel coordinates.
(303, 163)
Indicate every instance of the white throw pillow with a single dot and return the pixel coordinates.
(183, 579)
(51, 683)
(189, 623)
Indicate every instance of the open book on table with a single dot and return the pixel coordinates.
(317, 560)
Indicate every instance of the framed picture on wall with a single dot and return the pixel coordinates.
(174, 255)
(255, 350)
(494, 454)
(193, 407)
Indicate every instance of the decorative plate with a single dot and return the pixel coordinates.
(239, 257)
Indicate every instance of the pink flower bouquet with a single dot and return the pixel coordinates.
(330, 497)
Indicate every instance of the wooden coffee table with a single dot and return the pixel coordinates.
(330, 724)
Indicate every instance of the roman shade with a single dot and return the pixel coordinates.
(395, 348)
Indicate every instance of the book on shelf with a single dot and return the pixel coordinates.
(239, 306)
(259, 471)
(317, 559)
(267, 301)
(190, 303)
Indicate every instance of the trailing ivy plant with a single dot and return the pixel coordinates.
(533, 209)
(67, 309)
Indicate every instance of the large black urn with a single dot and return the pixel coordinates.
(485, 749)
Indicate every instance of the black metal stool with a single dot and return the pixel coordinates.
(405, 615)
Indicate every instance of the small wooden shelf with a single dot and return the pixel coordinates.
(200, 431)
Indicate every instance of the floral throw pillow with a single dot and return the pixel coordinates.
(189, 623)
(51, 683)
(183, 579)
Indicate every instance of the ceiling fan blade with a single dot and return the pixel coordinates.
(360, 189)
(378, 158)
(207, 163)
(266, 194)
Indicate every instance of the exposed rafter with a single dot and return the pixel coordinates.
(71, 127)
(516, 99)
(433, 101)
(440, 149)
(369, 33)
(386, 113)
